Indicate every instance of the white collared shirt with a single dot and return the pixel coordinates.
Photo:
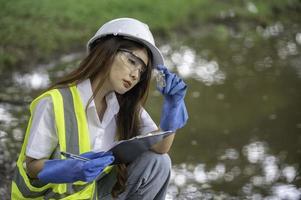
(43, 138)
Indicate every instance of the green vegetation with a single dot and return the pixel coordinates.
(36, 31)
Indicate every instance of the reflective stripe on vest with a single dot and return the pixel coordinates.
(73, 136)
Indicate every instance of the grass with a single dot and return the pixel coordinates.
(37, 31)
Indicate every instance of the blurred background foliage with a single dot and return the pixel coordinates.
(36, 31)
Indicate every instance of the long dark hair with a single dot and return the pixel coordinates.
(97, 64)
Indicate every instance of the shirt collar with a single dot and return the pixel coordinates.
(85, 90)
(112, 102)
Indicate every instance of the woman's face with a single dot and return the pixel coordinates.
(126, 69)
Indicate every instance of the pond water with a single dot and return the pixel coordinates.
(243, 137)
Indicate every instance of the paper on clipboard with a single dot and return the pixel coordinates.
(126, 151)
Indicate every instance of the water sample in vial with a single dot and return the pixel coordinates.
(160, 78)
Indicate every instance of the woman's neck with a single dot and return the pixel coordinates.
(99, 100)
(102, 91)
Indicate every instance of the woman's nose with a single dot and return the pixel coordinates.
(134, 74)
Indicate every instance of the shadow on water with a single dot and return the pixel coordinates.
(243, 138)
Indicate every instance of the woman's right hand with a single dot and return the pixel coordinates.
(72, 170)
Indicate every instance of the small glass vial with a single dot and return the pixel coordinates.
(160, 78)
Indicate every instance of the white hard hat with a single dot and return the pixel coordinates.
(132, 29)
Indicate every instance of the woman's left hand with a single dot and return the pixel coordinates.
(174, 113)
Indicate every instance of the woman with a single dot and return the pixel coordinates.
(90, 108)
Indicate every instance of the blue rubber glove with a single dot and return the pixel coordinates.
(174, 113)
(72, 170)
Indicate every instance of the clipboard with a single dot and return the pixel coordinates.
(126, 151)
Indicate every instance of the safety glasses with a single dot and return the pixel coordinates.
(132, 61)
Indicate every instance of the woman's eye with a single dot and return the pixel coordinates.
(131, 61)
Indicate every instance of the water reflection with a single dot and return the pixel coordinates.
(34, 81)
(262, 173)
(254, 152)
(282, 191)
(252, 7)
(189, 65)
(5, 116)
(271, 31)
(298, 38)
(287, 49)
(230, 154)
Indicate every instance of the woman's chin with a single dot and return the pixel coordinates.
(121, 90)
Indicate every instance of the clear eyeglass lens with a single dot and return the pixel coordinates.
(132, 62)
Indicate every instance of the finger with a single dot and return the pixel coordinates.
(88, 154)
(162, 68)
(169, 78)
(94, 170)
(175, 82)
(91, 177)
(103, 161)
(179, 88)
(92, 155)
(108, 153)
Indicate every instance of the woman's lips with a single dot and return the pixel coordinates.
(127, 84)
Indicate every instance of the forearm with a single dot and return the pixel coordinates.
(164, 145)
(34, 166)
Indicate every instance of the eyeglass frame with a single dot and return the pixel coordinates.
(144, 66)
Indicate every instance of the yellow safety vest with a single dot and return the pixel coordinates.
(73, 136)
